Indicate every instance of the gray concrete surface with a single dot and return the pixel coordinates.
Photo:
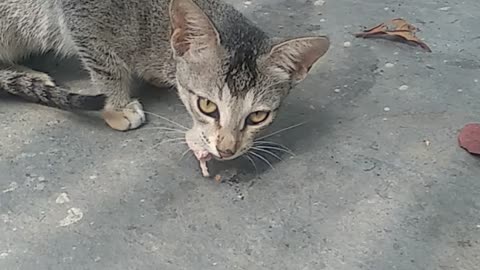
(364, 190)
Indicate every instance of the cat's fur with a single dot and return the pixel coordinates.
(205, 48)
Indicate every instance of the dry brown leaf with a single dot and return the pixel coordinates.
(396, 28)
(469, 138)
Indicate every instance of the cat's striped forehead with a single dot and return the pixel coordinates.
(241, 71)
(243, 45)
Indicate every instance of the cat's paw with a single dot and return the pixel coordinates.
(128, 118)
(44, 77)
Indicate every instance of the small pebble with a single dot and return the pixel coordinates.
(336, 90)
(387, 109)
(74, 215)
(319, 3)
(389, 65)
(247, 3)
(12, 187)
(62, 198)
(40, 186)
(347, 44)
(403, 87)
(323, 20)
(475, 80)
(386, 8)
(445, 8)
(460, 90)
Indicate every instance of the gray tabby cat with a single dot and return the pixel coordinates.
(230, 75)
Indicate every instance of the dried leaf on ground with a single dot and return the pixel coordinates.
(469, 138)
(396, 28)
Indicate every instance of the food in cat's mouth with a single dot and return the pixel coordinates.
(203, 156)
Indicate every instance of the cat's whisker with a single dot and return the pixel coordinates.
(277, 148)
(177, 140)
(173, 140)
(180, 143)
(164, 128)
(262, 158)
(185, 153)
(172, 132)
(275, 144)
(168, 120)
(268, 152)
(281, 130)
(247, 156)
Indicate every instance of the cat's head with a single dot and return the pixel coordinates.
(233, 88)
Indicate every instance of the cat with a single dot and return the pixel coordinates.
(230, 75)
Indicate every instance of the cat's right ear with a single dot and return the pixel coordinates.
(192, 33)
(292, 59)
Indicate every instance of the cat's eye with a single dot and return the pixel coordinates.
(207, 107)
(256, 118)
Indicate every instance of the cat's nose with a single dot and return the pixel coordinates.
(225, 153)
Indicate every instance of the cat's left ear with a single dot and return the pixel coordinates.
(293, 59)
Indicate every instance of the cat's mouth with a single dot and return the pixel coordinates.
(203, 155)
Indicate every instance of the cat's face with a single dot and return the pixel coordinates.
(226, 120)
(232, 99)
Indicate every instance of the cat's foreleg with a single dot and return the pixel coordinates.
(110, 75)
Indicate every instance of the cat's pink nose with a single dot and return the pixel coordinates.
(225, 153)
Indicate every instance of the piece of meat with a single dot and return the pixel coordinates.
(203, 156)
(204, 168)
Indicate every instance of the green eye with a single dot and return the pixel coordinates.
(256, 118)
(207, 107)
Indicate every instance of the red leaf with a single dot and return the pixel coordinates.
(469, 138)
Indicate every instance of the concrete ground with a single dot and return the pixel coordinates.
(378, 181)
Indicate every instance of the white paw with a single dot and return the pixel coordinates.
(130, 117)
(47, 80)
(135, 114)
(44, 77)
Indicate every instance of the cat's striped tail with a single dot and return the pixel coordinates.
(39, 88)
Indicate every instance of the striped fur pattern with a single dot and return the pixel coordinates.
(38, 88)
(205, 48)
